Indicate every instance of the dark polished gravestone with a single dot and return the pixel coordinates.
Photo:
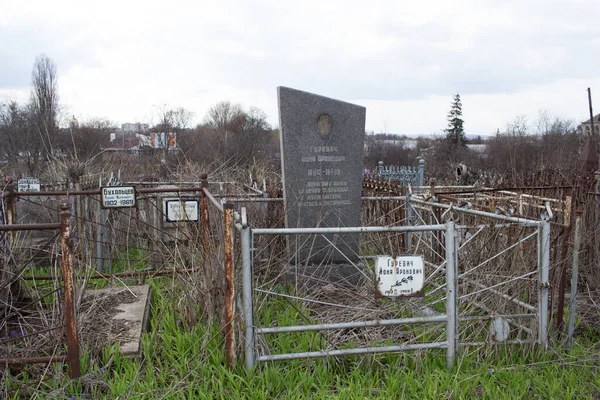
(322, 143)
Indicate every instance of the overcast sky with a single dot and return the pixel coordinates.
(403, 61)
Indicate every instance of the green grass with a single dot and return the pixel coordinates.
(181, 362)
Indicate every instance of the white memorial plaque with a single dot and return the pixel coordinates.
(118, 196)
(28, 185)
(500, 329)
(177, 210)
(401, 276)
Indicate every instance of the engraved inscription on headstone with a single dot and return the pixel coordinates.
(321, 156)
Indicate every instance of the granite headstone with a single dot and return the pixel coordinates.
(322, 161)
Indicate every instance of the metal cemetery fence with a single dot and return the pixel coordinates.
(157, 235)
(18, 328)
(486, 273)
(402, 174)
(487, 282)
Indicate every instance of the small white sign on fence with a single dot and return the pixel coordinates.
(401, 276)
(118, 196)
(177, 210)
(28, 185)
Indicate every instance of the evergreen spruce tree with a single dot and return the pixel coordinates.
(455, 132)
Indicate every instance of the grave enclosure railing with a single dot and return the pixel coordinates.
(483, 267)
(472, 291)
(100, 243)
(404, 175)
(11, 272)
(135, 244)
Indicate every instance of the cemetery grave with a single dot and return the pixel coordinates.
(362, 265)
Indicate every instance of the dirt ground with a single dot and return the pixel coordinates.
(102, 321)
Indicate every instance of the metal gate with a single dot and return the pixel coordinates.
(487, 283)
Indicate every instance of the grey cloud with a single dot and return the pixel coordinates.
(21, 45)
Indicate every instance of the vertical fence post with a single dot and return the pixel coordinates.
(433, 219)
(265, 205)
(409, 217)
(100, 233)
(574, 273)
(543, 284)
(451, 294)
(229, 283)
(11, 207)
(79, 218)
(107, 236)
(8, 271)
(596, 231)
(247, 295)
(10, 201)
(100, 239)
(420, 178)
(68, 281)
(205, 221)
(401, 215)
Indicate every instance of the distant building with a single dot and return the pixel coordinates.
(478, 148)
(586, 127)
(377, 142)
(131, 128)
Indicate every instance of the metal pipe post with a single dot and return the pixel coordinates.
(574, 273)
(11, 210)
(409, 218)
(451, 294)
(563, 267)
(100, 237)
(29, 227)
(348, 229)
(464, 210)
(204, 216)
(543, 283)
(107, 234)
(229, 283)
(79, 218)
(350, 325)
(69, 295)
(247, 295)
(421, 173)
(354, 351)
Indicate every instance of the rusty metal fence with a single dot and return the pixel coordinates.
(17, 328)
(118, 245)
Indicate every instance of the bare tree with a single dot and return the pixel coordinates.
(224, 116)
(44, 104)
(549, 145)
(173, 120)
(239, 133)
(181, 118)
(253, 134)
(15, 130)
(89, 137)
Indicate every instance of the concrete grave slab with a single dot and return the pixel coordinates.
(125, 312)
